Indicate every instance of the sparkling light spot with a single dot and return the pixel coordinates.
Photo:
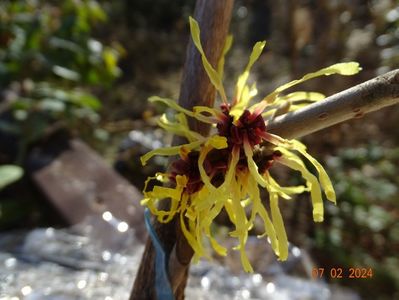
(103, 276)
(123, 227)
(10, 262)
(257, 278)
(296, 251)
(106, 255)
(205, 283)
(26, 290)
(270, 288)
(245, 294)
(107, 216)
(81, 284)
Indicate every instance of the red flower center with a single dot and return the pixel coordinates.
(249, 125)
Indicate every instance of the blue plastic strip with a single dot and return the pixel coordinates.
(162, 284)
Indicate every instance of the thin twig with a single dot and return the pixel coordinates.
(354, 102)
(213, 17)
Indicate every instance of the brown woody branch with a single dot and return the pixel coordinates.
(213, 17)
(352, 103)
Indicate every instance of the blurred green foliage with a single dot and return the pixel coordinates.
(9, 174)
(362, 231)
(49, 63)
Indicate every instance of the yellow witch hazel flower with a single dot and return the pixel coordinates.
(225, 170)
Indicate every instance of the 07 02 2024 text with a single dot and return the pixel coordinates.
(342, 273)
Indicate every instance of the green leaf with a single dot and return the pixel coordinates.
(110, 57)
(85, 100)
(53, 105)
(66, 73)
(9, 174)
(60, 43)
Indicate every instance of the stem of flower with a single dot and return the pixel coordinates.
(213, 17)
(354, 102)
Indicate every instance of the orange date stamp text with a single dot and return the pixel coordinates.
(342, 273)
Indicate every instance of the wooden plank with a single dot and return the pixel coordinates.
(79, 183)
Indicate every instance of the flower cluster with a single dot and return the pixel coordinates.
(225, 170)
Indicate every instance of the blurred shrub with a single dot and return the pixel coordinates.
(157, 14)
(9, 174)
(49, 61)
(362, 231)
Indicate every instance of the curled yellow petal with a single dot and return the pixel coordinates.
(217, 142)
(190, 233)
(284, 191)
(243, 93)
(215, 245)
(172, 104)
(214, 142)
(301, 96)
(231, 171)
(226, 48)
(247, 94)
(215, 113)
(180, 127)
(181, 181)
(349, 68)
(238, 217)
(190, 237)
(207, 220)
(212, 73)
(168, 151)
(323, 176)
(241, 232)
(279, 226)
(258, 208)
(294, 162)
(242, 80)
(253, 168)
(244, 259)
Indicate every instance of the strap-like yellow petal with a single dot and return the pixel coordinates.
(168, 151)
(323, 176)
(217, 142)
(279, 226)
(242, 80)
(242, 93)
(300, 96)
(179, 128)
(284, 191)
(226, 48)
(258, 208)
(215, 113)
(294, 162)
(212, 73)
(349, 68)
(172, 104)
(253, 168)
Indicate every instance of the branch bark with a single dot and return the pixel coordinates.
(213, 17)
(354, 102)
